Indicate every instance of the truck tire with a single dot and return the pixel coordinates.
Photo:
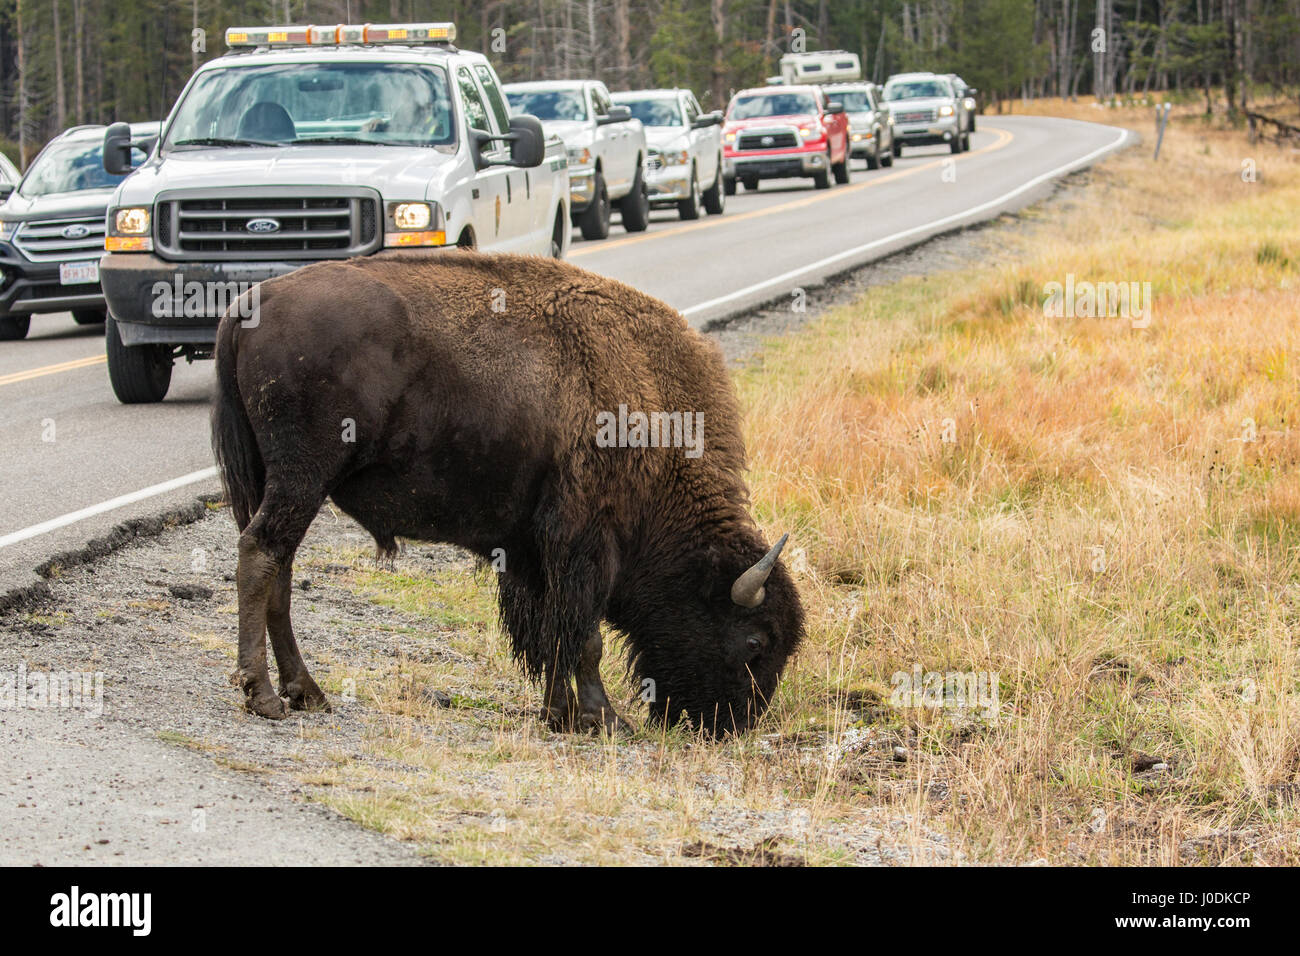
(715, 197)
(841, 170)
(955, 145)
(594, 221)
(887, 158)
(557, 235)
(898, 149)
(88, 316)
(14, 327)
(139, 374)
(873, 158)
(689, 208)
(729, 186)
(635, 206)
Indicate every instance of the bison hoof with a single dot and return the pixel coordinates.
(595, 721)
(266, 703)
(303, 694)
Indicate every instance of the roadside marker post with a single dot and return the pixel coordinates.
(1162, 118)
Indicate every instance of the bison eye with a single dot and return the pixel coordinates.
(754, 644)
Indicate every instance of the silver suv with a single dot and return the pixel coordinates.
(927, 111)
(871, 125)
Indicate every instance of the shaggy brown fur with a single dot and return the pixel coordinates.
(477, 426)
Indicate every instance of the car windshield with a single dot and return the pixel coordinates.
(916, 90)
(772, 104)
(663, 111)
(549, 104)
(71, 167)
(855, 101)
(386, 104)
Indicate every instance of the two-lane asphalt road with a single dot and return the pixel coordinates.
(73, 462)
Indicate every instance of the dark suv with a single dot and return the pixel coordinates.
(52, 230)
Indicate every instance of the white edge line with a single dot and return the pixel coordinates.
(121, 501)
(906, 233)
(73, 517)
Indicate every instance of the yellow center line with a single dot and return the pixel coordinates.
(31, 373)
(1003, 139)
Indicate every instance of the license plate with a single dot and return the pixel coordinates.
(78, 273)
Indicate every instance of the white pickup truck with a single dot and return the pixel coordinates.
(303, 144)
(607, 149)
(684, 164)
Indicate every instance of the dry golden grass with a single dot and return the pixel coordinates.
(1112, 527)
(1099, 534)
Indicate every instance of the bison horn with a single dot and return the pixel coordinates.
(748, 589)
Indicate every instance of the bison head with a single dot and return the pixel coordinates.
(718, 638)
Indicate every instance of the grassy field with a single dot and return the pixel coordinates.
(1095, 518)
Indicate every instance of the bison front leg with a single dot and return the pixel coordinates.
(559, 707)
(595, 712)
(296, 682)
(255, 579)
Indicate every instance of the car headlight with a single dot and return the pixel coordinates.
(412, 215)
(969, 103)
(579, 156)
(810, 132)
(674, 157)
(945, 110)
(128, 230)
(8, 228)
(729, 137)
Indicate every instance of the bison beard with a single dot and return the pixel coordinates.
(392, 386)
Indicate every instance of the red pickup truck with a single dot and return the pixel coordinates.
(784, 132)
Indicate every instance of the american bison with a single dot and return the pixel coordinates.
(460, 398)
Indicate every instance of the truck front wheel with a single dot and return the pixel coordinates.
(14, 327)
(139, 374)
(635, 206)
(594, 221)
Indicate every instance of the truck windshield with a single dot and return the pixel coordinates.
(71, 167)
(855, 101)
(549, 104)
(916, 90)
(388, 104)
(772, 104)
(654, 112)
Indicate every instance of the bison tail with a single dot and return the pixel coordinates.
(239, 460)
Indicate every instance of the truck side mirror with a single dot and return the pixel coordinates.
(705, 120)
(616, 114)
(834, 106)
(527, 143)
(117, 149)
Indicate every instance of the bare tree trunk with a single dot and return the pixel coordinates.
(22, 87)
(717, 82)
(79, 57)
(60, 94)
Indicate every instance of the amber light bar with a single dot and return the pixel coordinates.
(342, 34)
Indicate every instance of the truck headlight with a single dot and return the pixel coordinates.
(810, 132)
(128, 230)
(579, 156)
(8, 228)
(969, 103)
(674, 157)
(131, 221)
(945, 110)
(408, 224)
(412, 215)
(729, 137)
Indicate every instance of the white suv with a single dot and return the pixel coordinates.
(311, 143)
